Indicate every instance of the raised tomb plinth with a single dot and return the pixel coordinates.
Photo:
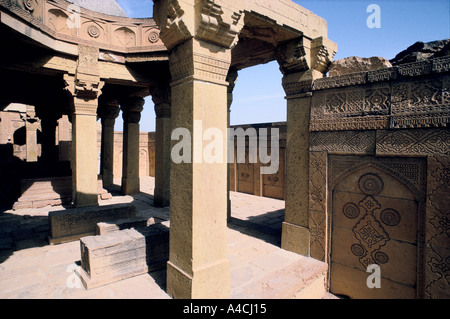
(51, 191)
(123, 254)
(73, 224)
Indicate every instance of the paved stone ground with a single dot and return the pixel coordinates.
(30, 268)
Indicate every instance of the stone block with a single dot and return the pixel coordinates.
(123, 254)
(128, 223)
(73, 224)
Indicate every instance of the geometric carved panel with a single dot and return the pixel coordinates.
(346, 142)
(413, 142)
(318, 204)
(437, 238)
(374, 221)
(411, 171)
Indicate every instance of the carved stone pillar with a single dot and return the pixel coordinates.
(131, 108)
(85, 88)
(49, 121)
(199, 37)
(301, 62)
(32, 124)
(108, 113)
(162, 98)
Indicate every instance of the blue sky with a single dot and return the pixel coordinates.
(259, 97)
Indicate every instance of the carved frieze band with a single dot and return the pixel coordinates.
(199, 65)
(344, 142)
(410, 103)
(85, 108)
(413, 142)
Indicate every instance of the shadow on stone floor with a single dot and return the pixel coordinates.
(19, 232)
(256, 230)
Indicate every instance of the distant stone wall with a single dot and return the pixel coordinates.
(146, 154)
(247, 178)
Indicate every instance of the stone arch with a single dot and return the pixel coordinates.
(124, 37)
(57, 20)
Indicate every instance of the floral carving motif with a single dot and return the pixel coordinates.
(93, 31)
(153, 37)
(371, 184)
(377, 100)
(29, 5)
(335, 103)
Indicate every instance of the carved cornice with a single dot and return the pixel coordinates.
(119, 34)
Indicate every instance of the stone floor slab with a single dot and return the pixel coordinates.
(258, 265)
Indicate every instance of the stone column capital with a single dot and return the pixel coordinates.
(162, 97)
(304, 54)
(302, 61)
(214, 21)
(232, 78)
(85, 86)
(109, 110)
(132, 108)
(323, 51)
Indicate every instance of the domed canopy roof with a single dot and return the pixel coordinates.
(110, 7)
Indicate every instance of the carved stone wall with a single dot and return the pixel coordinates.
(392, 123)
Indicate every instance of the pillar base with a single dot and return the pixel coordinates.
(296, 239)
(130, 186)
(212, 282)
(161, 198)
(108, 178)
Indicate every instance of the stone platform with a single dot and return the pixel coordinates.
(259, 268)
